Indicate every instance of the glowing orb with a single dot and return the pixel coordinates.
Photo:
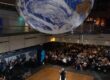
(54, 16)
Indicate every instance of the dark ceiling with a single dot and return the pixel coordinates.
(5, 4)
(101, 7)
(8, 1)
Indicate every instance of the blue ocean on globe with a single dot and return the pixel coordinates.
(54, 16)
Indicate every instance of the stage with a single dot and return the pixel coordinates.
(53, 73)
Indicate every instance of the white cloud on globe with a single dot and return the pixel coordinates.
(54, 16)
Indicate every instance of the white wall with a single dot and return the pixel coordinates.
(11, 43)
(98, 39)
(4, 42)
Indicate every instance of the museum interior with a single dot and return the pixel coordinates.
(38, 43)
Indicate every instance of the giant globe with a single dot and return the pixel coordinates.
(54, 16)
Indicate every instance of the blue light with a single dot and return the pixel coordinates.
(21, 21)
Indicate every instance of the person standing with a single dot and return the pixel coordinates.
(63, 74)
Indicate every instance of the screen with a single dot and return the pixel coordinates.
(42, 55)
(1, 24)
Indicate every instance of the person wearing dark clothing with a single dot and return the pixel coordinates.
(62, 74)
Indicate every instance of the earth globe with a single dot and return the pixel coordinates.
(54, 16)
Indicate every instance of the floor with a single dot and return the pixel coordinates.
(53, 73)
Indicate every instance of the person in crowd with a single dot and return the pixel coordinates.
(2, 77)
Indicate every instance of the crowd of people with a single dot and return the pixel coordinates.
(17, 69)
(79, 56)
